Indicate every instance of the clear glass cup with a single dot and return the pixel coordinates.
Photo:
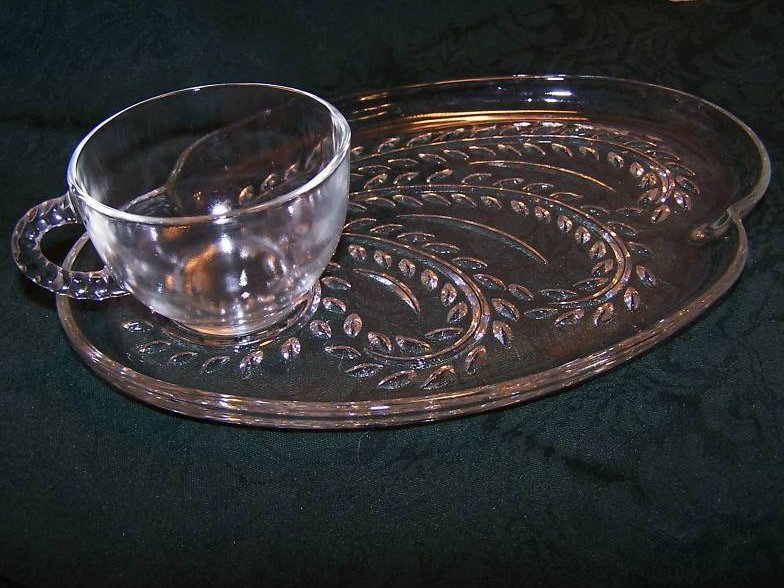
(217, 207)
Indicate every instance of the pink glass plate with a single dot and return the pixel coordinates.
(506, 238)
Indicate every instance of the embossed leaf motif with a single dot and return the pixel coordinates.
(290, 349)
(641, 144)
(630, 211)
(513, 183)
(457, 313)
(352, 325)
(502, 332)
(411, 345)
(564, 223)
(463, 200)
(249, 362)
(597, 251)
(520, 292)
(388, 144)
(439, 377)
(645, 276)
(615, 160)
(561, 149)
(359, 224)
(153, 347)
(441, 248)
(420, 139)
(456, 154)
(382, 259)
(320, 329)
(491, 202)
(648, 180)
(594, 210)
(539, 187)
(475, 359)
(434, 198)
(439, 176)
(622, 229)
(636, 169)
(582, 235)
(429, 279)
(682, 199)
(379, 342)
(397, 380)
(687, 185)
(342, 351)
(405, 200)
(506, 309)
(603, 314)
(558, 294)
(407, 267)
(490, 282)
(269, 182)
(660, 213)
(591, 284)
(533, 148)
(481, 151)
(406, 178)
(639, 249)
(649, 196)
(542, 214)
(415, 237)
(432, 158)
(476, 178)
(335, 283)
(386, 229)
(570, 318)
(364, 370)
(452, 134)
(373, 169)
(540, 313)
(631, 299)
(448, 294)
(469, 263)
(357, 252)
(380, 202)
(508, 150)
(562, 196)
(214, 363)
(181, 359)
(333, 305)
(375, 181)
(519, 207)
(443, 334)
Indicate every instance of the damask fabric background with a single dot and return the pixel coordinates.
(667, 471)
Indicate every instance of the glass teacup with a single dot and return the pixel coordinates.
(217, 207)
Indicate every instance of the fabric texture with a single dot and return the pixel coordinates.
(667, 471)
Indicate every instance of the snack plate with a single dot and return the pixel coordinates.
(506, 238)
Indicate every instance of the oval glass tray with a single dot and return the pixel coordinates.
(506, 238)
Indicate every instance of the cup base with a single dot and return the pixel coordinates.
(270, 328)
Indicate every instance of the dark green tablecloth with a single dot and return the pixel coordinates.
(667, 471)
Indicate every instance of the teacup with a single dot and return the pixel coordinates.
(217, 207)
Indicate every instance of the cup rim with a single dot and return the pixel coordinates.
(341, 152)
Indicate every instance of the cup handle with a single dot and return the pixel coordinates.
(26, 249)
